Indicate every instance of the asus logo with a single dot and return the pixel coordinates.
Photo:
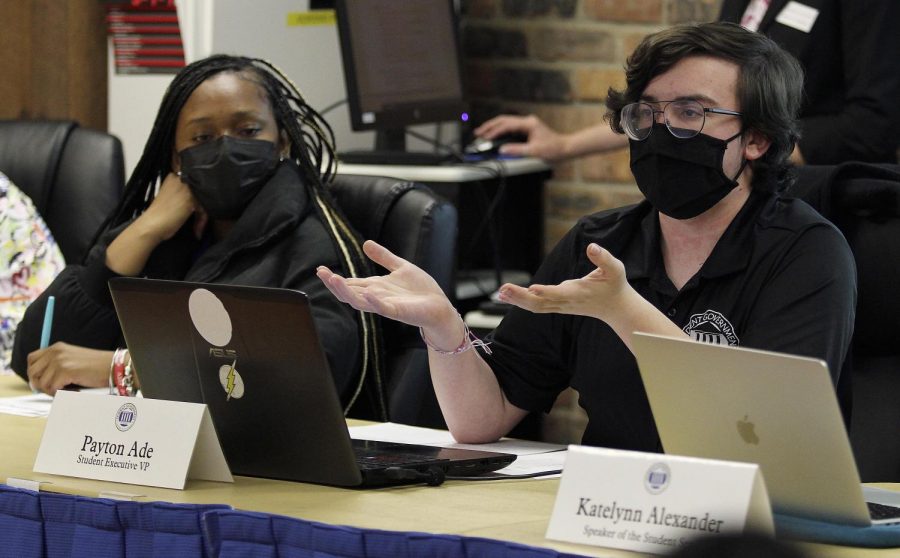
(222, 353)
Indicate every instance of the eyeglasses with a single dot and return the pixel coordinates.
(684, 119)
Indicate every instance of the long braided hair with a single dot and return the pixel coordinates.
(312, 148)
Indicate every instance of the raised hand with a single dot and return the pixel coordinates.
(406, 294)
(599, 294)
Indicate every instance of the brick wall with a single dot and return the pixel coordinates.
(556, 59)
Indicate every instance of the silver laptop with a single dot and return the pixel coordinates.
(253, 356)
(777, 410)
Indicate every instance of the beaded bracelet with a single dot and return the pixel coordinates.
(118, 359)
(122, 379)
(469, 341)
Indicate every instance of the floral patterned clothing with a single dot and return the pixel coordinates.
(29, 260)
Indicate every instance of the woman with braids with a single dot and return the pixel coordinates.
(228, 190)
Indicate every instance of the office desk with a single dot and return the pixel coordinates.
(515, 511)
(517, 222)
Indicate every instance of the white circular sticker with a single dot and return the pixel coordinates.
(209, 316)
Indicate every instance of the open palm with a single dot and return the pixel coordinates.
(597, 294)
(406, 294)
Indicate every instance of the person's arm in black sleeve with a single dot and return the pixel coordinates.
(867, 126)
(530, 352)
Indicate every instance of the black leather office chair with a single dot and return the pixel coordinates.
(417, 225)
(863, 200)
(74, 176)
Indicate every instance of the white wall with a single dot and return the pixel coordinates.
(308, 54)
(133, 100)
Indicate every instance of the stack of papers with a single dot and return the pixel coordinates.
(38, 404)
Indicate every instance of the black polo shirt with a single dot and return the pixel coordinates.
(781, 278)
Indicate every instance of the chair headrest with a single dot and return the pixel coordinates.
(863, 200)
(30, 152)
(366, 200)
(875, 198)
(857, 189)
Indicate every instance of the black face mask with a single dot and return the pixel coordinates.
(682, 178)
(225, 174)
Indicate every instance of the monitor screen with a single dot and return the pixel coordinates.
(401, 65)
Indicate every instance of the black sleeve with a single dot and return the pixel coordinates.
(531, 353)
(337, 324)
(83, 312)
(809, 305)
(865, 127)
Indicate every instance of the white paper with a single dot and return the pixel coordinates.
(405, 434)
(38, 404)
(536, 463)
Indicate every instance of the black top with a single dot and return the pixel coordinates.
(781, 278)
(851, 105)
(277, 242)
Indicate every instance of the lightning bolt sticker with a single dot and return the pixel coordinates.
(229, 386)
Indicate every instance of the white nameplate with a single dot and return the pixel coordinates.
(130, 439)
(655, 503)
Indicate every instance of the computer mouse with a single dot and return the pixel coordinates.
(491, 147)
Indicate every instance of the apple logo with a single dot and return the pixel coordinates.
(745, 429)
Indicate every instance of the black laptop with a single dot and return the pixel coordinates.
(253, 356)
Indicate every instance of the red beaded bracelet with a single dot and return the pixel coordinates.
(121, 381)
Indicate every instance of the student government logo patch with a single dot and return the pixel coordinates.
(711, 327)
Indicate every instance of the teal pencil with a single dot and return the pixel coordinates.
(48, 322)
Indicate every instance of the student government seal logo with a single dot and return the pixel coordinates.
(657, 478)
(711, 327)
(125, 416)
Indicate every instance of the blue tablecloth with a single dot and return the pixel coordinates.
(43, 524)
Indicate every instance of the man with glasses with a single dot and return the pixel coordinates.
(714, 253)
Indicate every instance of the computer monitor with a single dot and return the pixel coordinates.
(401, 68)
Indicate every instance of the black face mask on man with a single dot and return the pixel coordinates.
(682, 178)
(226, 173)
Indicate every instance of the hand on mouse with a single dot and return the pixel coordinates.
(543, 142)
(537, 139)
